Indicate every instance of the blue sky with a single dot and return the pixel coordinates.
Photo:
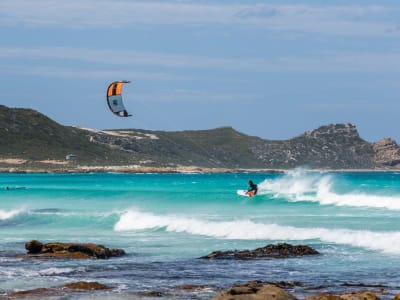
(273, 69)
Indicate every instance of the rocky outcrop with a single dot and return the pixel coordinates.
(335, 146)
(386, 152)
(39, 293)
(281, 250)
(255, 290)
(70, 250)
(353, 295)
(259, 290)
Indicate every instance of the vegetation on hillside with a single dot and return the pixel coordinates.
(29, 135)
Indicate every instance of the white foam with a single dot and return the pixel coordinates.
(296, 185)
(23, 272)
(300, 185)
(131, 220)
(327, 197)
(4, 214)
(57, 271)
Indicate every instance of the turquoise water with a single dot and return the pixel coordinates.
(165, 222)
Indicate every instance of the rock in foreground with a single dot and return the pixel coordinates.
(63, 290)
(353, 295)
(70, 250)
(258, 290)
(255, 290)
(281, 250)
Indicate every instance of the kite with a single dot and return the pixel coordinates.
(114, 98)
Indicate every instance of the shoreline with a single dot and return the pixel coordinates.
(54, 169)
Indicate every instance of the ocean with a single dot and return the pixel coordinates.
(165, 222)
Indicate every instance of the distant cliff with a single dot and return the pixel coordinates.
(29, 135)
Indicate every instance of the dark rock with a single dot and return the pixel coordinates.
(152, 294)
(191, 287)
(70, 250)
(281, 250)
(59, 291)
(34, 247)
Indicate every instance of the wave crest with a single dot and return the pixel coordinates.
(5, 215)
(132, 220)
(300, 185)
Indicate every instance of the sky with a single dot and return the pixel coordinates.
(272, 69)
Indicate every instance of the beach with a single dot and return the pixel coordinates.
(166, 221)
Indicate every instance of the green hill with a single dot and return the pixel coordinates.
(29, 135)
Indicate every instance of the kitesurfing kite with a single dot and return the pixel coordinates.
(114, 98)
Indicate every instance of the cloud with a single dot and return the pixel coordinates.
(130, 58)
(362, 20)
(168, 64)
(88, 73)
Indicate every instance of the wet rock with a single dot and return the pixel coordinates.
(191, 287)
(281, 250)
(255, 290)
(34, 247)
(85, 285)
(58, 291)
(354, 295)
(35, 293)
(70, 250)
(151, 294)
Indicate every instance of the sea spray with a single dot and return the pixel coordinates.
(8, 214)
(300, 185)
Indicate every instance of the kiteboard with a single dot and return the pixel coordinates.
(245, 193)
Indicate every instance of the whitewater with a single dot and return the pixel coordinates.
(165, 222)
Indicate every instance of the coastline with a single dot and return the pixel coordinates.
(66, 168)
(21, 165)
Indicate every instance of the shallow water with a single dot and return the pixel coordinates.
(166, 221)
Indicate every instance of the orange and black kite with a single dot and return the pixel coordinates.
(114, 98)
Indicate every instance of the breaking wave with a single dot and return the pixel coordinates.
(299, 185)
(8, 214)
(131, 220)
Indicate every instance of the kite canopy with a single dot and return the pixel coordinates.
(114, 98)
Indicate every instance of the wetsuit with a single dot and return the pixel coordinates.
(253, 188)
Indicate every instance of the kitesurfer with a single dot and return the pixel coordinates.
(253, 189)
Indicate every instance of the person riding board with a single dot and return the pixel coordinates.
(253, 189)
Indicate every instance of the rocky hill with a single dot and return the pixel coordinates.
(33, 137)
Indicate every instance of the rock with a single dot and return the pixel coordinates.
(34, 247)
(35, 293)
(59, 291)
(85, 285)
(354, 295)
(387, 152)
(70, 250)
(281, 250)
(255, 290)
